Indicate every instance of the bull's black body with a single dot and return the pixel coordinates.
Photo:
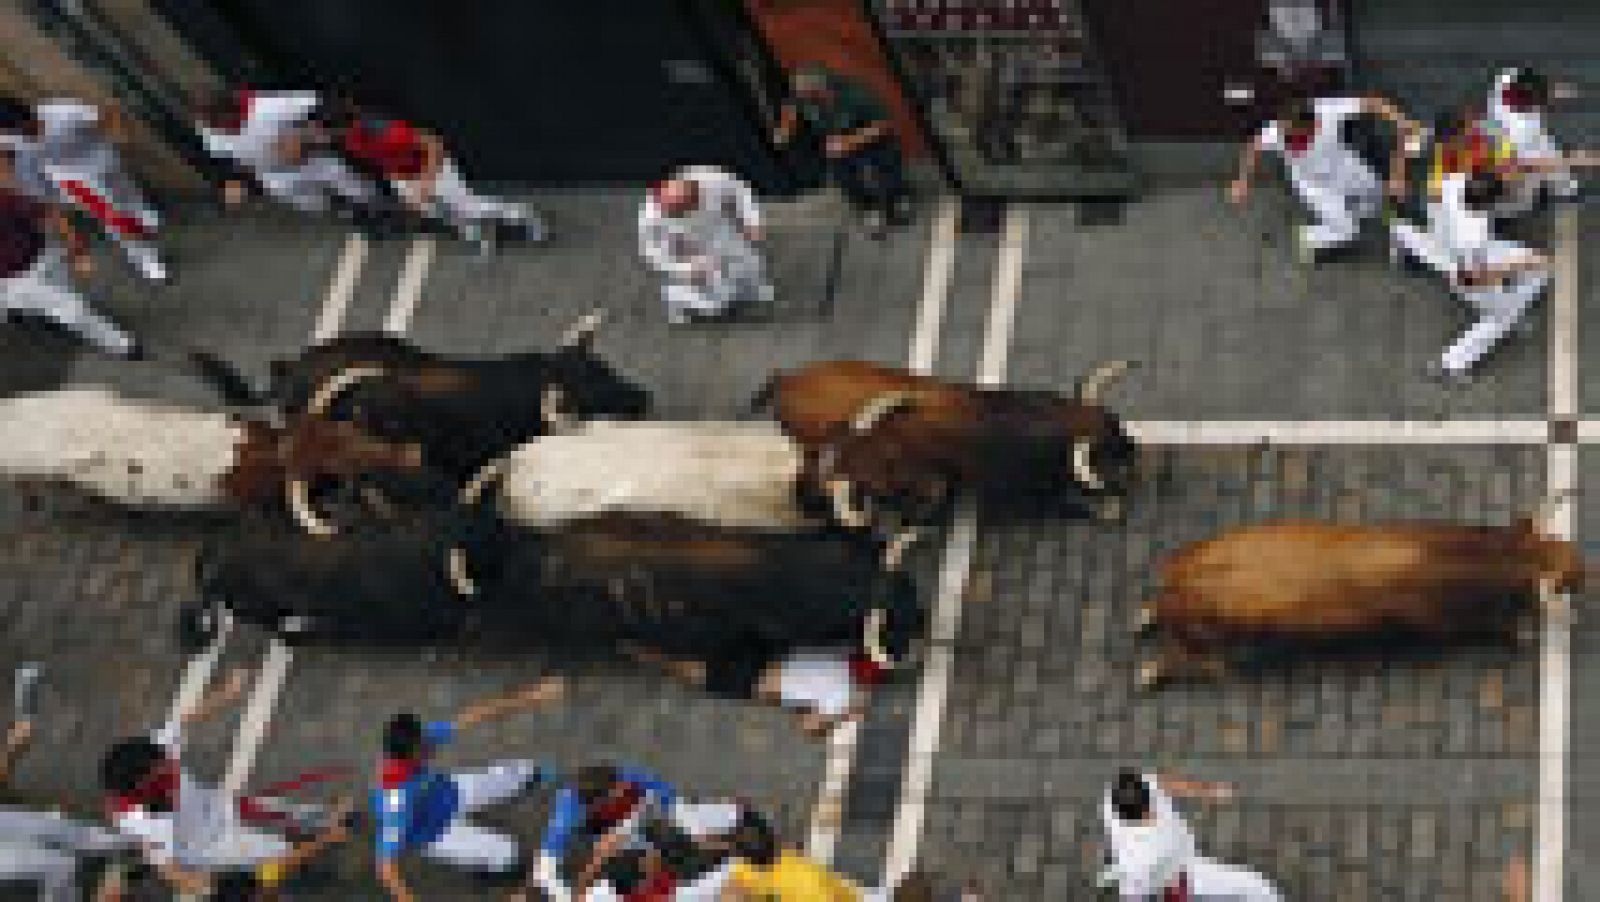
(464, 411)
(682, 589)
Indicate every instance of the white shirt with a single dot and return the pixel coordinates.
(1327, 157)
(70, 144)
(273, 115)
(818, 681)
(672, 243)
(199, 818)
(1148, 857)
(1524, 130)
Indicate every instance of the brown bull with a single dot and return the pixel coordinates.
(1305, 581)
(882, 432)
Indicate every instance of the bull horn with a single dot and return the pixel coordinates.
(1557, 607)
(299, 498)
(1082, 466)
(338, 384)
(843, 507)
(1547, 507)
(460, 579)
(550, 401)
(879, 407)
(490, 472)
(584, 329)
(894, 553)
(1096, 382)
(872, 640)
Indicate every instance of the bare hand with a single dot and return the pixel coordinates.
(21, 731)
(547, 690)
(1397, 188)
(754, 233)
(836, 146)
(1239, 192)
(1221, 792)
(233, 193)
(238, 682)
(82, 265)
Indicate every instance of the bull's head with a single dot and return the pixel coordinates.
(588, 386)
(456, 565)
(1559, 563)
(1084, 470)
(891, 626)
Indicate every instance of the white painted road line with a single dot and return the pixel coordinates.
(335, 302)
(409, 289)
(257, 714)
(1340, 432)
(828, 814)
(341, 289)
(1550, 841)
(934, 687)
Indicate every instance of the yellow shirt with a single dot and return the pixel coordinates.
(792, 878)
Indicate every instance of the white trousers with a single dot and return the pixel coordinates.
(116, 189)
(53, 871)
(737, 273)
(47, 290)
(1339, 203)
(311, 186)
(456, 203)
(1212, 881)
(468, 845)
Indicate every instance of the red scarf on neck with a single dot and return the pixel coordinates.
(658, 887)
(609, 812)
(158, 791)
(1298, 141)
(1517, 99)
(1178, 892)
(865, 672)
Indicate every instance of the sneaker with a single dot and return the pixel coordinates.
(765, 293)
(136, 351)
(678, 318)
(877, 225)
(529, 228)
(1438, 374)
(148, 261)
(480, 235)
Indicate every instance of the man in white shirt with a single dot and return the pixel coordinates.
(1514, 113)
(187, 830)
(700, 229)
(1328, 176)
(276, 137)
(1498, 278)
(66, 152)
(1154, 857)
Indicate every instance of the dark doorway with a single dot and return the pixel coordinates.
(523, 90)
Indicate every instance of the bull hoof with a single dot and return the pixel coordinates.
(1149, 675)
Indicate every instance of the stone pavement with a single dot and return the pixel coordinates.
(1409, 777)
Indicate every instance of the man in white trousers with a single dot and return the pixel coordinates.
(40, 256)
(424, 176)
(188, 831)
(1334, 183)
(277, 138)
(429, 811)
(1514, 113)
(68, 148)
(42, 847)
(1498, 278)
(1154, 857)
(701, 230)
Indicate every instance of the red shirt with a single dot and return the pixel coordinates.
(21, 233)
(394, 147)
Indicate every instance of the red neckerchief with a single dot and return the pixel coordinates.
(607, 814)
(395, 773)
(389, 144)
(1297, 141)
(157, 791)
(865, 672)
(1178, 892)
(658, 887)
(244, 101)
(1518, 100)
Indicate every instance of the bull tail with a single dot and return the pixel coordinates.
(226, 380)
(762, 399)
(1100, 378)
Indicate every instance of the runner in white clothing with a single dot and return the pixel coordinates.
(1154, 857)
(1330, 179)
(277, 138)
(1514, 113)
(700, 228)
(66, 152)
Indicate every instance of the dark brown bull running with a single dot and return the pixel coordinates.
(886, 433)
(1304, 581)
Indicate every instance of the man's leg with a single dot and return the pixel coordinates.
(55, 872)
(1212, 879)
(1501, 310)
(889, 168)
(499, 782)
(464, 207)
(113, 201)
(854, 180)
(1336, 222)
(467, 845)
(47, 292)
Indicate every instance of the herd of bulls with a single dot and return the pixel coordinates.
(528, 499)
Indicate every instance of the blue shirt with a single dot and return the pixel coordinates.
(568, 813)
(416, 812)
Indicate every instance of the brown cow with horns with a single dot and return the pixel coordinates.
(1301, 581)
(876, 432)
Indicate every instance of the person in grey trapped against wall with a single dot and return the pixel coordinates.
(701, 230)
(41, 847)
(66, 150)
(41, 255)
(1153, 854)
(1329, 177)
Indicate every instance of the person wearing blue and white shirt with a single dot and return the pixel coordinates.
(420, 809)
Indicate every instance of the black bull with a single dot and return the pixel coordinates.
(463, 411)
(683, 589)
